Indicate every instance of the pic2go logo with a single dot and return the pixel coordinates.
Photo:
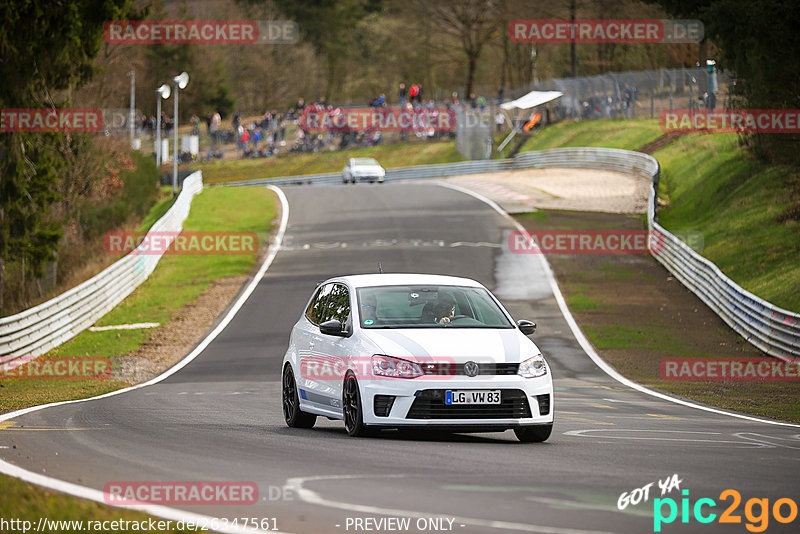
(756, 510)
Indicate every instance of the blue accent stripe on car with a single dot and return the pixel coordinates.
(303, 394)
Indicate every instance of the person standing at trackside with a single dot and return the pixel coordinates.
(401, 93)
(627, 97)
(216, 120)
(499, 119)
(239, 135)
(414, 93)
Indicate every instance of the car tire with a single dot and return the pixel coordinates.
(352, 409)
(534, 433)
(292, 414)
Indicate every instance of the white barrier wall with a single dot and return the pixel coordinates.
(39, 329)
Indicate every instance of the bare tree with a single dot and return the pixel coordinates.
(472, 22)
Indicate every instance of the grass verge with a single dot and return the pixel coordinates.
(742, 208)
(745, 211)
(389, 155)
(636, 315)
(626, 134)
(25, 502)
(176, 281)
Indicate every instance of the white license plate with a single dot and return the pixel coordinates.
(465, 396)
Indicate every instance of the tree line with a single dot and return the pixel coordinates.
(52, 54)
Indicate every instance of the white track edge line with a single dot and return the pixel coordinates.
(583, 342)
(92, 494)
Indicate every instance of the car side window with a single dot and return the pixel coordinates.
(338, 305)
(316, 309)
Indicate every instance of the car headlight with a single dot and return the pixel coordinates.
(394, 367)
(533, 367)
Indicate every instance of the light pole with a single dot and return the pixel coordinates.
(163, 92)
(180, 83)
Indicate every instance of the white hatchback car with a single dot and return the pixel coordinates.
(400, 350)
(363, 170)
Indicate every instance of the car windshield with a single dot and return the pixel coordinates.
(429, 307)
(365, 161)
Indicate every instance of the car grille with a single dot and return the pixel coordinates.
(429, 404)
(451, 369)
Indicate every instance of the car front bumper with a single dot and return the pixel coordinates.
(420, 402)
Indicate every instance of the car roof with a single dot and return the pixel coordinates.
(399, 279)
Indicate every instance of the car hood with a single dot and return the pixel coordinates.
(458, 345)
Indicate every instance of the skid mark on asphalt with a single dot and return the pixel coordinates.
(13, 426)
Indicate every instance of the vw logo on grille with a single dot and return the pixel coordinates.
(471, 369)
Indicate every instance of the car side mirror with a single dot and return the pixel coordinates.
(333, 328)
(526, 327)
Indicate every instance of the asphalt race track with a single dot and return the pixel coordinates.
(219, 418)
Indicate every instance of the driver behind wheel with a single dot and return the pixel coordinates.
(444, 310)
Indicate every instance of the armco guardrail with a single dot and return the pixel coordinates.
(772, 329)
(39, 329)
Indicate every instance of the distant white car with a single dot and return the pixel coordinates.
(400, 350)
(363, 170)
